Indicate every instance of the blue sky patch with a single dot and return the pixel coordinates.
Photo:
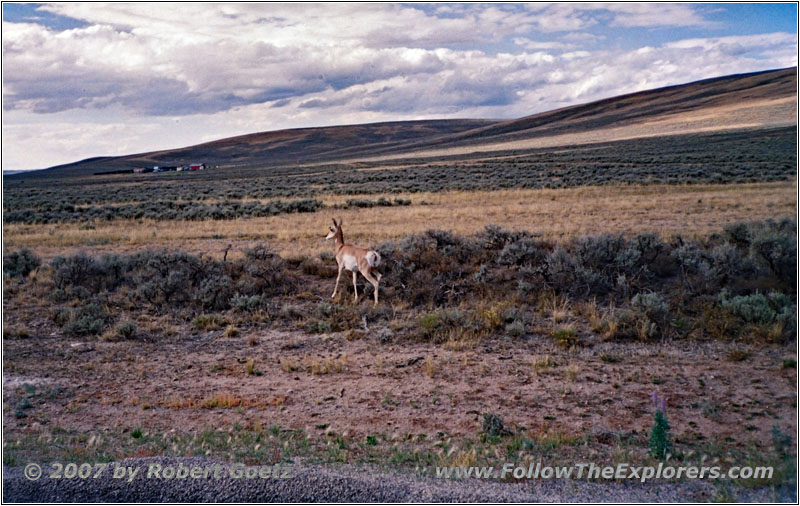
(30, 13)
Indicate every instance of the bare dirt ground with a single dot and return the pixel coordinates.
(371, 387)
(333, 386)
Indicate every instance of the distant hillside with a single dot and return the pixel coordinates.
(279, 147)
(760, 99)
(739, 101)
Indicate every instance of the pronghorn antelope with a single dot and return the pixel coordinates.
(354, 259)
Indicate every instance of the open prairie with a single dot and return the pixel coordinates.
(691, 210)
(543, 278)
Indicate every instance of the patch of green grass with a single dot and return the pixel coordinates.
(737, 355)
(209, 322)
(610, 358)
(565, 337)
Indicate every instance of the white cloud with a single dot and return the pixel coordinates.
(634, 14)
(533, 45)
(145, 76)
(736, 42)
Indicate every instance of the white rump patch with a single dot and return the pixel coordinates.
(373, 258)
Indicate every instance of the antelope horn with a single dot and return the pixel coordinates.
(334, 222)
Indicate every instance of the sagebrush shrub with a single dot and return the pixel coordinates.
(759, 308)
(20, 263)
(493, 426)
(214, 292)
(247, 302)
(516, 328)
(89, 319)
(434, 325)
(267, 269)
(776, 246)
(653, 313)
(126, 330)
(167, 279)
(524, 251)
(79, 269)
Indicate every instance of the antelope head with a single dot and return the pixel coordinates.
(334, 229)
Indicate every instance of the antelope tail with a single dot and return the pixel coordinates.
(373, 258)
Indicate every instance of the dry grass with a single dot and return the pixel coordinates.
(541, 363)
(431, 366)
(316, 366)
(327, 365)
(591, 312)
(559, 309)
(462, 339)
(572, 372)
(289, 365)
(556, 214)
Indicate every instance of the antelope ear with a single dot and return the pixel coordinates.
(340, 222)
(334, 222)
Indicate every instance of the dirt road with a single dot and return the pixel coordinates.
(311, 483)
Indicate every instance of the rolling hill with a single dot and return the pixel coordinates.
(753, 100)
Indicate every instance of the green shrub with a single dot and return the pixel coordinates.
(493, 426)
(20, 263)
(772, 246)
(516, 328)
(524, 251)
(214, 292)
(209, 322)
(659, 436)
(434, 324)
(167, 279)
(653, 312)
(772, 316)
(776, 245)
(750, 308)
(652, 305)
(565, 337)
(266, 269)
(89, 319)
(247, 302)
(77, 270)
(126, 330)
(319, 327)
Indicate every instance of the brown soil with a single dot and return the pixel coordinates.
(397, 388)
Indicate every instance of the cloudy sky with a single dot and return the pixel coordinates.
(90, 79)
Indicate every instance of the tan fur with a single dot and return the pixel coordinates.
(345, 253)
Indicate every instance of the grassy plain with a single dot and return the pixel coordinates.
(690, 210)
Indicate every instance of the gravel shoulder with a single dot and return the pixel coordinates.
(313, 483)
